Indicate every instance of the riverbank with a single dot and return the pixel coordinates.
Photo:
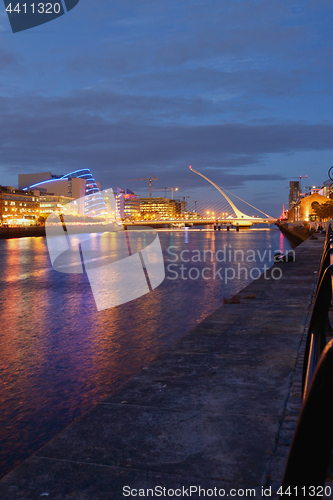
(210, 411)
(295, 232)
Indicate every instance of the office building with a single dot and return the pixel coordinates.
(294, 193)
(49, 203)
(128, 204)
(159, 208)
(18, 207)
(131, 205)
(177, 207)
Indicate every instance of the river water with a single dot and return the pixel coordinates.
(59, 355)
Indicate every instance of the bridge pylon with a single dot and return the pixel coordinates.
(240, 216)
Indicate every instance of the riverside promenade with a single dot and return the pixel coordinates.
(216, 410)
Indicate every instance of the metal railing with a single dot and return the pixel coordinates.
(311, 449)
(319, 323)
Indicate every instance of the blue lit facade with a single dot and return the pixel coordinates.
(93, 201)
(84, 173)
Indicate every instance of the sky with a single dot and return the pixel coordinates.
(240, 90)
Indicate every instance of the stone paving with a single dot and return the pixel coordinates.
(216, 410)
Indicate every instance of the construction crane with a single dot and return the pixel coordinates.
(300, 181)
(300, 177)
(150, 178)
(165, 189)
(311, 188)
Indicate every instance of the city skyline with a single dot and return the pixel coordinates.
(209, 200)
(238, 90)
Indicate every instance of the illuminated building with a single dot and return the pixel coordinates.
(302, 211)
(109, 198)
(71, 187)
(120, 203)
(77, 184)
(177, 207)
(326, 189)
(49, 203)
(128, 204)
(18, 207)
(161, 208)
(131, 205)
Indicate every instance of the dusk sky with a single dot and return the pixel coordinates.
(240, 90)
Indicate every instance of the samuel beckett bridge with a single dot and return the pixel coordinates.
(231, 216)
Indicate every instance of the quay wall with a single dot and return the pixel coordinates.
(295, 232)
(21, 232)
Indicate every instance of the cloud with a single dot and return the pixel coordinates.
(7, 59)
(215, 86)
(69, 133)
(233, 88)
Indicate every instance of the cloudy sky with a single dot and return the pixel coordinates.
(240, 90)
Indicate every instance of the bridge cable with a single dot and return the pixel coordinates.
(224, 189)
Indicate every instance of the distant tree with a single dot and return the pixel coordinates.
(323, 211)
(41, 220)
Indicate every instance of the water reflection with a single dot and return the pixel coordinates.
(59, 355)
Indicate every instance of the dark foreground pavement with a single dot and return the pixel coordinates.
(216, 410)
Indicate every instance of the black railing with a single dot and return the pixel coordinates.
(319, 323)
(311, 449)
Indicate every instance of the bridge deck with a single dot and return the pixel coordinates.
(211, 411)
(200, 222)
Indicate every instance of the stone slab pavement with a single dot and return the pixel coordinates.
(216, 410)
